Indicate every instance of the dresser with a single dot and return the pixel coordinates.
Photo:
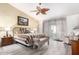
(75, 47)
(7, 41)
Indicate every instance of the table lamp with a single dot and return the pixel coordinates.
(7, 29)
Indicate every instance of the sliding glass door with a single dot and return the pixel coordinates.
(52, 31)
(56, 29)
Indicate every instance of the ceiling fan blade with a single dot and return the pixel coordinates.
(44, 13)
(37, 13)
(34, 11)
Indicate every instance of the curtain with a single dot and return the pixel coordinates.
(61, 28)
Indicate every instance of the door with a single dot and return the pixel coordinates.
(52, 31)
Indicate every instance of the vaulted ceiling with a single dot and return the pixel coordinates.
(56, 9)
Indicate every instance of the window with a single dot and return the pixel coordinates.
(53, 28)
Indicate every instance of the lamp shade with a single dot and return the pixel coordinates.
(7, 28)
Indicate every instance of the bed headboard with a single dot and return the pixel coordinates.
(21, 30)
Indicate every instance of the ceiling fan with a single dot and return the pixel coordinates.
(41, 10)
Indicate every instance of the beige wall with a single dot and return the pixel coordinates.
(8, 16)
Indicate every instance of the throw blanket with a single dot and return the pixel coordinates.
(32, 38)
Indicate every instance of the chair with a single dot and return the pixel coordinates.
(40, 40)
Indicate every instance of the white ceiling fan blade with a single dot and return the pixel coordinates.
(34, 10)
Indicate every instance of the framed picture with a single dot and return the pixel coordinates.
(23, 21)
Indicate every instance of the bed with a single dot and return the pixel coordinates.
(29, 39)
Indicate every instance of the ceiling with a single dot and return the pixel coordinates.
(56, 9)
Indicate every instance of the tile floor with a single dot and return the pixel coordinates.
(55, 48)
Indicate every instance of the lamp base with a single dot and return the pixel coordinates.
(7, 33)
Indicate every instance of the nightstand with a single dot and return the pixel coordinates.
(75, 47)
(7, 41)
